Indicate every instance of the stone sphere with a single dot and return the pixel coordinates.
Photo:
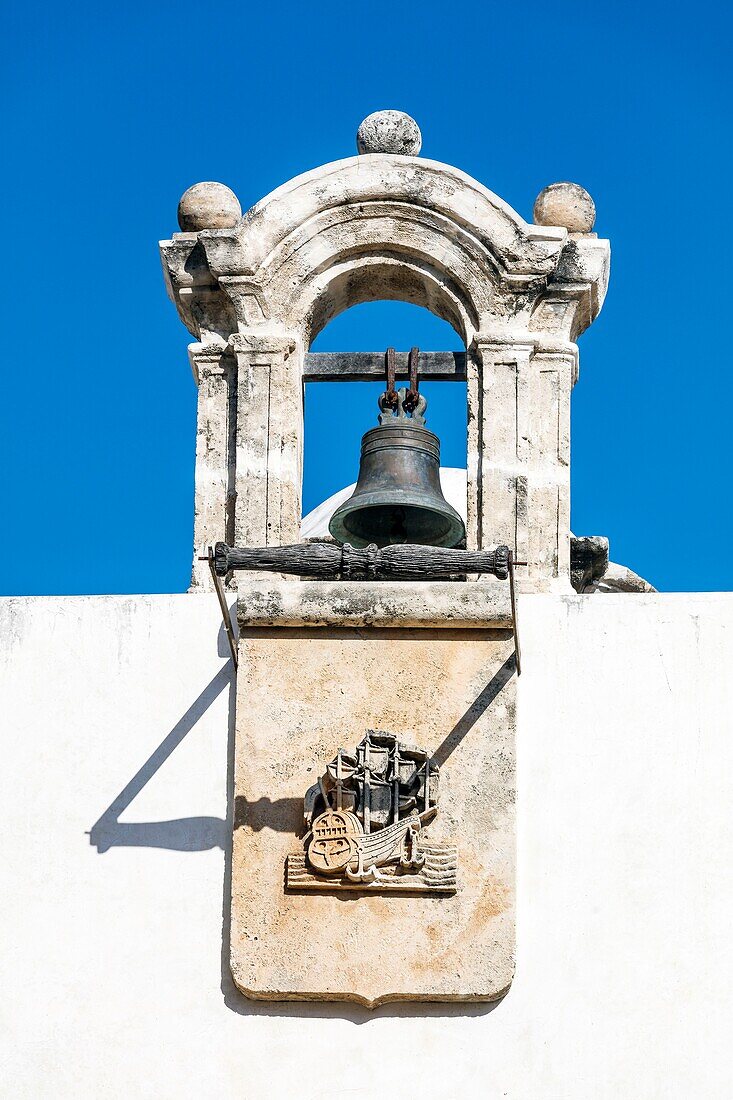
(565, 204)
(208, 206)
(389, 132)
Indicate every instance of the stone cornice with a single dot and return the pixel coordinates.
(386, 226)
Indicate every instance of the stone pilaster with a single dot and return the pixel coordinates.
(499, 400)
(548, 486)
(213, 367)
(518, 456)
(473, 448)
(269, 439)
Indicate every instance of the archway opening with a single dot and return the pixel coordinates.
(338, 413)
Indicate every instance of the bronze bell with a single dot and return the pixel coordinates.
(398, 497)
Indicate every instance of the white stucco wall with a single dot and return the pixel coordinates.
(116, 721)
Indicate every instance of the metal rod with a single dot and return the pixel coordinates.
(223, 607)
(515, 627)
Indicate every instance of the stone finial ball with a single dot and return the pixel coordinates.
(565, 204)
(208, 206)
(389, 132)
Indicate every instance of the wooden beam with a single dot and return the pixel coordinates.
(368, 366)
(329, 561)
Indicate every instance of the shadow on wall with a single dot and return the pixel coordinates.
(481, 703)
(199, 834)
(187, 834)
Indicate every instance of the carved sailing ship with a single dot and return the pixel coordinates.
(365, 820)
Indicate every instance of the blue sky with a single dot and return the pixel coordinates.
(111, 111)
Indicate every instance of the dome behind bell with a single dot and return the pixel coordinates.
(315, 524)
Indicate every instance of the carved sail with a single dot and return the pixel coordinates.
(381, 782)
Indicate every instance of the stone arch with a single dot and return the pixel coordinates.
(385, 278)
(376, 227)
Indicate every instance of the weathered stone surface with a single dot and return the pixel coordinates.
(389, 132)
(518, 295)
(301, 694)
(208, 206)
(441, 605)
(591, 571)
(588, 561)
(566, 204)
(215, 372)
(618, 578)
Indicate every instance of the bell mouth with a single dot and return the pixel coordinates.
(404, 520)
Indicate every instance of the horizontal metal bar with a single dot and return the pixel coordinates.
(368, 366)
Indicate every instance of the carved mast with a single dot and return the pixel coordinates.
(396, 781)
(366, 815)
(339, 782)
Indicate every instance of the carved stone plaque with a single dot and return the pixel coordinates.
(366, 819)
(297, 932)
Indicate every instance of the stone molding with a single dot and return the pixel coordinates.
(387, 226)
(269, 438)
(446, 605)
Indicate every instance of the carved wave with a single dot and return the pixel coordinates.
(437, 875)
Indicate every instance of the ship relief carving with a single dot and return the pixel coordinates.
(366, 821)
